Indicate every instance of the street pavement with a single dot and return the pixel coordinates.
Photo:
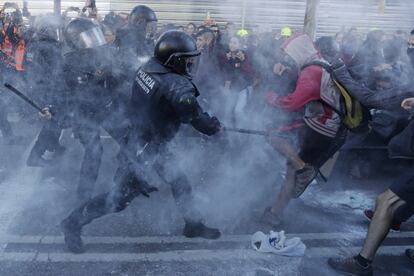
(231, 191)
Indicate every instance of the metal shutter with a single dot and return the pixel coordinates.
(365, 15)
(332, 14)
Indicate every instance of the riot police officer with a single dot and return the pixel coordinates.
(135, 41)
(93, 99)
(45, 80)
(163, 98)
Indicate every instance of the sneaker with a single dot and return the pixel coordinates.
(350, 266)
(199, 230)
(72, 233)
(369, 214)
(271, 218)
(410, 254)
(303, 178)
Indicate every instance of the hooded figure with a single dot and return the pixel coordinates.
(315, 94)
(319, 133)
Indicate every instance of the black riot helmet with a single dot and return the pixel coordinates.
(176, 49)
(144, 19)
(48, 27)
(83, 33)
(141, 15)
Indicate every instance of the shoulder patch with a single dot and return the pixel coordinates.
(146, 81)
(187, 99)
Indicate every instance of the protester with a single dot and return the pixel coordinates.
(280, 77)
(320, 132)
(393, 206)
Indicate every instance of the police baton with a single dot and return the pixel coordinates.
(264, 133)
(23, 97)
(246, 131)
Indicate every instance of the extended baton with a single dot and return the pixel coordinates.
(23, 97)
(263, 133)
(247, 131)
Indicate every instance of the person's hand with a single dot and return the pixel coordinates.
(45, 114)
(228, 55)
(241, 56)
(408, 104)
(279, 69)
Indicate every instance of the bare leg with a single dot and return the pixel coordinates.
(285, 193)
(379, 227)
(287, 150)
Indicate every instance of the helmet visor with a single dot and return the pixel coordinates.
(186, 55)
(91, 38)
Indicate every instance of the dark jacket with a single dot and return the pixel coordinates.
(132, 45)
(90, 83)
(382, 99)
(44, 71)
(162, 100)
(239, 73)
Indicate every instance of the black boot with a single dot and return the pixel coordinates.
(83, 215)
(198, 229)
(72, 232)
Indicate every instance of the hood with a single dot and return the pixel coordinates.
(301, 49)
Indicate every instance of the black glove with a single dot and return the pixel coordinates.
(147, 190)
(216, 123)
(141, 185)
(52, 109)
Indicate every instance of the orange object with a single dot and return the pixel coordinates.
(6, 48)
(19, 55)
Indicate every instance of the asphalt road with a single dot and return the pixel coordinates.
(231, 191)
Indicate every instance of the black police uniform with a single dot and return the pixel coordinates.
(45, 76)
(92, 97)
(161, 101)
(95, 104)
(5, 126)
(133, 42)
